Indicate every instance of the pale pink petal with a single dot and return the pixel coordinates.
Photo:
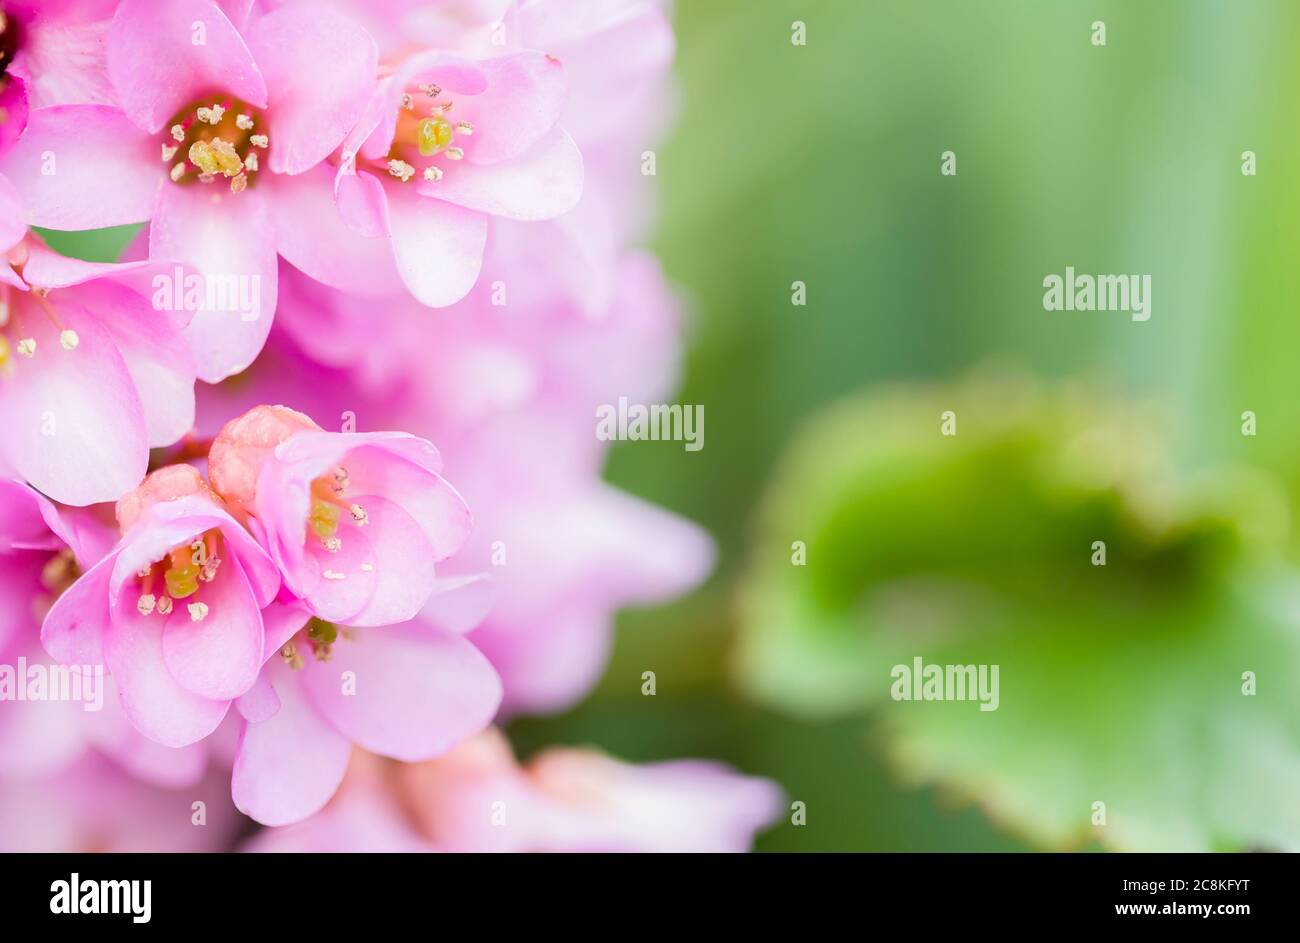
(320, 71)
(289, 765)
(172, 767)
(74, 423)
(523, 101)
(74, 629)
(260, 702)
(218, 655)
(311, 234)
(551, 660)
(164, 54)
(156, 355)
(230, 239)
(403, 560)
(84, 167)
(438, 247)
(541, 184)
(12, 227)
(156, 704)
(417, 692)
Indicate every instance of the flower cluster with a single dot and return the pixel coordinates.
(388, 214)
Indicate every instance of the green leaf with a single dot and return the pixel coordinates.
(1119, 683)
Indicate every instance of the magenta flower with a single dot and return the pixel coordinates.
(355, 521)
(445, 143)
(214, 121)
(410, 692)
(91, 376)
(173, 611)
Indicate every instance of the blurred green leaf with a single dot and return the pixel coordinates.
(1119, 683)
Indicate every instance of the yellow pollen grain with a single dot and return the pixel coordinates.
(216, 157)
(27, 346)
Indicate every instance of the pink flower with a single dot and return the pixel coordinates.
(56, 47)
(174, 610)
(355, 521)
(91, 376)
(215, 121)
(409, 692)
(92, 806)
(44, 548)
(476, 798)
(445, 143)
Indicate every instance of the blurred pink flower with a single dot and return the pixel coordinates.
(92, 806)
(173, 611)
(91, 375)
(214, 122)
(476, 798)
(355, 521)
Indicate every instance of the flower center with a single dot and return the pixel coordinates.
(328, 505)
(179, 575)
(59, 572)
(317, 637)
(16, 311)
(215, 138)
(10, 40)
(425, 135)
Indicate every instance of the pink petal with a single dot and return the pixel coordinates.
(418, 692)
(403, 562)
(74, 628)
(156, 355)
(12, 227)
(229, 238)
(523, 100)
(551, 660)
(219, 656)
(434, 504)
(74, 423)
(154, 701)
(158, 65)
(260, 702)
(84, 167)
(320, 71)
(339, 585)
(171, 767)
(438, 247)
(289, 765)
(541, 184)
(311, 234)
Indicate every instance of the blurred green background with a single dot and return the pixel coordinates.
(821, 163)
